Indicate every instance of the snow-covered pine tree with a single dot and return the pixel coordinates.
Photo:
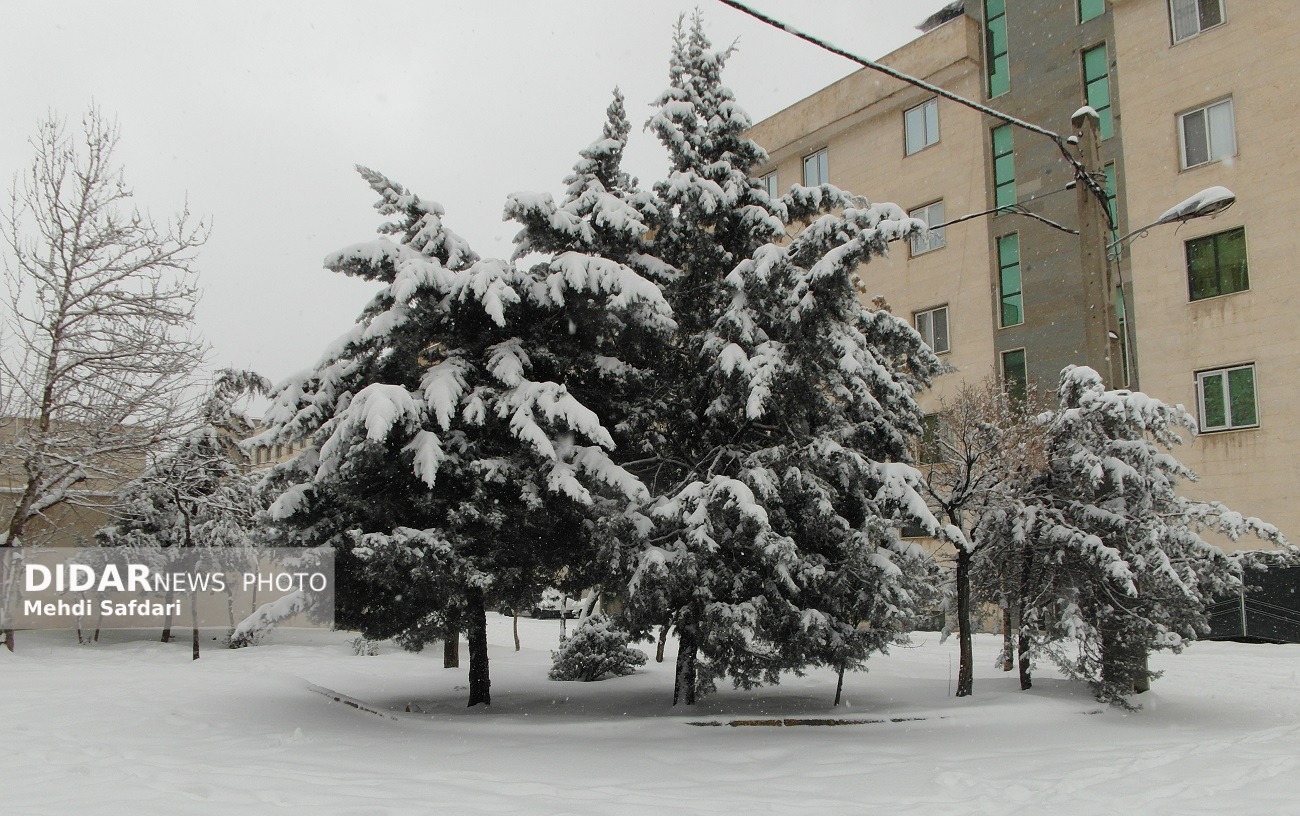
(784, 411)
(1115, 560)
(453, 457)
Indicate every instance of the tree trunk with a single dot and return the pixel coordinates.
(1026, 681)
(684, 682)
(516, 625)
(167, 619)
(230, 612)
(1022, 637)
(451, 650)
(663, 638)
(194, 625)
(1142, 682)
(479, 682)
(966, 663)
(839, 685)
(1008, 642)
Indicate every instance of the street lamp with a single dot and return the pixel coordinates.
(1208, 202)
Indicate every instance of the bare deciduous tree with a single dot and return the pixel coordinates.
(98, 344)
(985, 444)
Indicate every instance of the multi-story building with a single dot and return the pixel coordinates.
(1190, 94)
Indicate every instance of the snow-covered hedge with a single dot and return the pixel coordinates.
(596, 650)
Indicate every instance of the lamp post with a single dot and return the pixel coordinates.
(1207, 203)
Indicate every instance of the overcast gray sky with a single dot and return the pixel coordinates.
(257, 111)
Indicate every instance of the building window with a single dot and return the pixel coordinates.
(932, 215)
(1015, 377)
(1110, 195)
(1207, 134)
(1188, 18)
(768, 180)
(921, 125)
(932, 324)
(995, 47)
(1096, 86)
(1089, 9)
(816, 169)
(1004, 168)
(1227, 398)
(1009, 291)
(1216, 264)
(1121, 313)
(929, 449)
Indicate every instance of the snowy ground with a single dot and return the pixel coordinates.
(137, 728)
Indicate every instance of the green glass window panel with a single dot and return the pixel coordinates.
(1009, 250)
(1012, 313)
(998, 38)
(1010, 280)
(1110, 193)
(1005, 195)
(1241, 396)
(1001, 140)
(1004, 168)
(1215, 411)
(1000, 78)
(1096, 79)
(1014, 377)
(1009, 283)
(1216, 264)
(1200, 268)
(1231, 254)
(994, 8)
(1094, 62)
(1089, 9)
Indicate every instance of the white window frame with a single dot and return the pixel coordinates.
(1214, 152)
(1173, 28)
(768, 180)
(1227, 398)
(925, 321)
(820, 161)
(924, 116)
(933, 239)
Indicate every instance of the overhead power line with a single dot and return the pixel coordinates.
(1062, 143)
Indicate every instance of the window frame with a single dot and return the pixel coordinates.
(991, 57)
(769, 182)
(1000, 183)
(1003, 294)
(1002, 371)
(932, 234)
(1218, 270)
(929, 450)
(1079, 8)
(1106, 113)
(1181, 118)
(1226, 386)
(824, 167)
(1174, 39)
(931, 104)
(947, 327)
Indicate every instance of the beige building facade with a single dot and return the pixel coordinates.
(1222, 77)
(855, 132)
(1194, 94)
